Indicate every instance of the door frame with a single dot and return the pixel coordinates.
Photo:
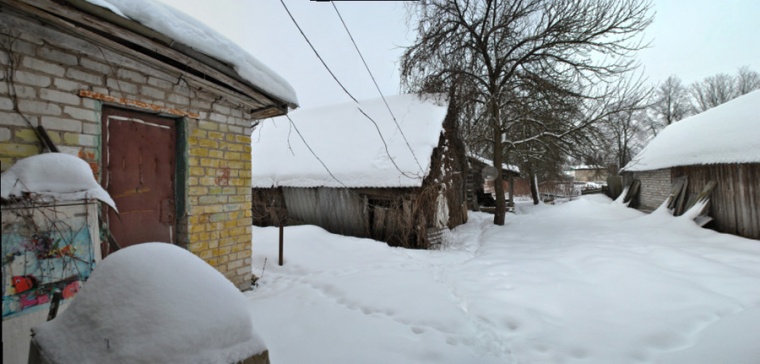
(180, 166)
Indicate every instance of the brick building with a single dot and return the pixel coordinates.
(164, 123)
(716, 153)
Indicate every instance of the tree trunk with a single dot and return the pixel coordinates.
(533, 185)
(501, 206)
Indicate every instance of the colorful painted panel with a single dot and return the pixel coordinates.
(45, 249)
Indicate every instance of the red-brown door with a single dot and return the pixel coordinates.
(139, 171)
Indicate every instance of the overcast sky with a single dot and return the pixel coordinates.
(692, 39)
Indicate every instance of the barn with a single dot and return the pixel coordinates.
(389, 169)
(720, 146)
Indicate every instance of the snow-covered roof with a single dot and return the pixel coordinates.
(585, 167)
(488, 162)
(53, 176)
(193, 33)
(728, 133)
(349, 144)
(152, 303)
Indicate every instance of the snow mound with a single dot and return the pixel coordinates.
(187, 30)
(349, 144)
(152, 303)
(53, 176)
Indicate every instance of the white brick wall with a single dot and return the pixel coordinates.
(655, 188)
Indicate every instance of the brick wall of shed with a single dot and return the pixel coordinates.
(53, 67)
(655, 188)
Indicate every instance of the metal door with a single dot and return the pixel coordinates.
(139, 171)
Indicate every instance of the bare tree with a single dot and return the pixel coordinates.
(671, 101)
(628, 132)
(493, 49)
(712, 91)
(746, 80)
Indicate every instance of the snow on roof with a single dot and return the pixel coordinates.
(504, 166)
(728, 133)
(191, 32)
(584, 167)
(152, 303)
(53, 176)
(349, 145)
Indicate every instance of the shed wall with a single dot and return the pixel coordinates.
(51, 69)
(337, 210)
(735, 201)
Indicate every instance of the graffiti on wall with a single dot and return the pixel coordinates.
(43, 251)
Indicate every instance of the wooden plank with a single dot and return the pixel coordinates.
(378, 222)
(137, 104)
(677, 189)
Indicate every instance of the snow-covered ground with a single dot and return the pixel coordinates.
(588, 281)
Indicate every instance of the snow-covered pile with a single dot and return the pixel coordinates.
(189, 31)
(152, 303)
(588, 281)
(54, 176)
(728, 133)
(349, 144)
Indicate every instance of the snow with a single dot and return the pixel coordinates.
(504, 166)
(191, 32)
(53, 176)
(728, 133)
(152, 303)
(587, 281)
(349, 145)
(585, 167)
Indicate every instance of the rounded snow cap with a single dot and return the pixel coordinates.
(57, 176)
(152, 303)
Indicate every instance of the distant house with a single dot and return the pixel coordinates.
(586, 173)
(479, 189)
(721, 145)
(396, 178)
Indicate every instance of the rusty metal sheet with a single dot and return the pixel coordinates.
(139, 165)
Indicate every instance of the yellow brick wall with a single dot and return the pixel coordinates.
(219, 199)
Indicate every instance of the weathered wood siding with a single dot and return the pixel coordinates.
(337, 210)
(735, 201)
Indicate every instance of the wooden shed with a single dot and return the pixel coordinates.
(720, 145)
(362, 170)
(480, 190)
(158, 104)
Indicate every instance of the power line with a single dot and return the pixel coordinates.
(377, 87)
(312, 151)
(315, 51)
(406, 174)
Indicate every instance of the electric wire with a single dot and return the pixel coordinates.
(377, 87)
(315, 51)
(313, 153)
(405, 174)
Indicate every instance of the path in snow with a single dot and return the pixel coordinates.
(588, 281)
